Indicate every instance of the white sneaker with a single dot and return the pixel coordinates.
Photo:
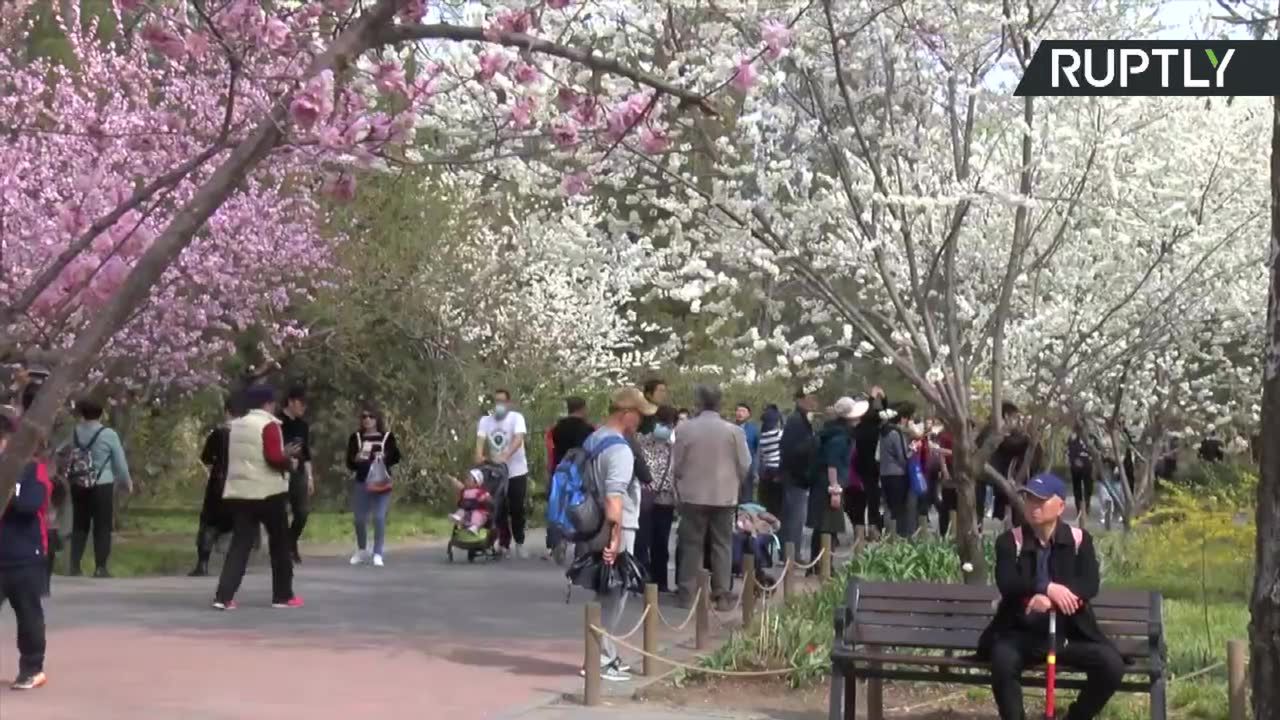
(359, 557)
(520, 551)
(377, 561)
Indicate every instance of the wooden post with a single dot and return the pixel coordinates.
(1236, 679)
(824, 565)
(748, 588)
(788, 580)
(650, 629)
(702, 612)
(591, 656)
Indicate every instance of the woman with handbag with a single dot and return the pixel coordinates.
(371, 453)
(657, 500)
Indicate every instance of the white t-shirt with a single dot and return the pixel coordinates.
(499, 434)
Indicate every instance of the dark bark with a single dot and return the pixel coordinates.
(968, 540)
(1264, 606)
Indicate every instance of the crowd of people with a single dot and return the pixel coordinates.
(859, 463)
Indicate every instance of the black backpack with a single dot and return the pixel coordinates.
(75, 462)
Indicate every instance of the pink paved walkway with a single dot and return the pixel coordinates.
(420, 639)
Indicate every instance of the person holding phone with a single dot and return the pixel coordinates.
(297, 440)
(371, 453)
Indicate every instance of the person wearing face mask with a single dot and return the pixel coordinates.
(500, 439)
(657, 500)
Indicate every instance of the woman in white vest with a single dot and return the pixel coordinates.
(371, 453)
(256, 493)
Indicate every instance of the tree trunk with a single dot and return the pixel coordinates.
(1264, 606)
(968, 539)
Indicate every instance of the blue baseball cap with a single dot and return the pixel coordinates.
(1045, 486)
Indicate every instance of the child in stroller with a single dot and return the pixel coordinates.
(480, 496)
(755, 532)
(475, 504)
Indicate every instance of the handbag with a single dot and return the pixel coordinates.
(378, 479)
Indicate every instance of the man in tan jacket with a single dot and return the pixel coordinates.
(709, 462)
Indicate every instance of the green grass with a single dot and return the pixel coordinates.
(161, 541)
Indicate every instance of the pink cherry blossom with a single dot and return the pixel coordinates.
(526, 74)
(522, 113)
(389, 78)
(578, 183)
(492, 63)
(566, 99)
(565, 132)
(276, 33)
(413, 11)
(776, 36)
(164, 41)
(654, 140)
(559, 4)
(197, 45)
(744, 75)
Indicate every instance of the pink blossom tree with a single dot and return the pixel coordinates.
(152, 190)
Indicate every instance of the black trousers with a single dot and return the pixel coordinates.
(247, 515)
(653, 542)
(772, 492)
(863, 506)
(94, 507)
(897, 491)
(22, 586)
(299, 507)
(1082, 485)
(950, 502)
(512, 513)
(1015, 651)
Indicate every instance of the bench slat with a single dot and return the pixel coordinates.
(1139, 667)
(982, 608)
(976, 622)
(966, 640)
(945, 592)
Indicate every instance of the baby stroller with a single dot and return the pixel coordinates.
(481, 543)
(755, 531)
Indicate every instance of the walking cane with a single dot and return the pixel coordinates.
(1051, 671)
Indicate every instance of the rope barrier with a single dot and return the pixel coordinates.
(1198, 673)
(639, 624)
(687, 666)
(813, 563)
(693, 610)
(768, 589)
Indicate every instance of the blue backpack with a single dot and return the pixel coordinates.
(575, 505)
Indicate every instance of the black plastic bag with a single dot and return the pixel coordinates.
(590, 572)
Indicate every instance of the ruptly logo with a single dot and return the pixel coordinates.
(1148, 67)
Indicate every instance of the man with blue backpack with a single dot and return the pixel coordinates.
(595, 501)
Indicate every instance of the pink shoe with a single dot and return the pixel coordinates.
(293, 602)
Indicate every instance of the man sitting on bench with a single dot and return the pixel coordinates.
(1047, 565)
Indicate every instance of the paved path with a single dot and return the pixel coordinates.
(418, 639)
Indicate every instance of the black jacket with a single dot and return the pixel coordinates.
(799, 448)
(866, 438)
(569, 433)
(1016, 578)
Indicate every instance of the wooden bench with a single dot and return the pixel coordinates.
(928, 632)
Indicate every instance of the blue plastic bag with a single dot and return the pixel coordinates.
(915, 473)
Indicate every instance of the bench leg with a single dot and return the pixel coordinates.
(844, 697)
(1158, 701)
(875, 699)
